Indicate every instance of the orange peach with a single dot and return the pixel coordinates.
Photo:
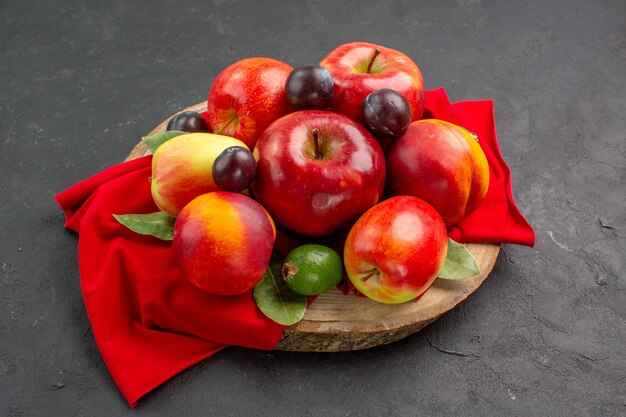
(441, 163)
(182, 168)
(223, 242)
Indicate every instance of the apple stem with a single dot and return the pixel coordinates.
(372, 58)
(222, 127)
(316, 141)
(369, 275)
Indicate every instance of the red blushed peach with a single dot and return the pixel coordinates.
(182, 168)
(223, 242)
(395, 250)
(441, 163)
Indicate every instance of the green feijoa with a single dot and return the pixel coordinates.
(312, 269)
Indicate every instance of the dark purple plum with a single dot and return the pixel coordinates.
(234, 169)
(188, 121)
(386, 113)
(309, 87)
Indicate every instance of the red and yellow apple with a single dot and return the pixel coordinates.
(223, 242)
(246, 97)
(441, 163)
(182, 168)
(395, 250)
(317, 171)
(359, 68)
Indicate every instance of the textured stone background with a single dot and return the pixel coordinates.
(546, 333)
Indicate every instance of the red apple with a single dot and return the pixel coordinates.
(182, 168)
(441, 163)
(246, 97)
(395, 250)
(317, 171)
(223, 242)
(357, 70)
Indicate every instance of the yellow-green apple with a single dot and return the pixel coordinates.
(317, 171)
(441, 163)
(192, 164)
(359, 68)
(223, 242)
(395, 250)
(246, 97)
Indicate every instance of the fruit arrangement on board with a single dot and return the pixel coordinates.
(335, 156)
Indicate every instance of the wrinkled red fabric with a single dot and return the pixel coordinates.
(497, 219)
(149, 323)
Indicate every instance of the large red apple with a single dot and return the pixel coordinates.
(246, 97)
(395, 250)
(223, 242)
(317, 171)
(441, 163)
(359, 68)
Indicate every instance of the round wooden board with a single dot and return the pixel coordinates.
(335, 322)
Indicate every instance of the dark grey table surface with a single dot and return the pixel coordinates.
(545, 334)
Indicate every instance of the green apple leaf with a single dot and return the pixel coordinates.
(159, 139)
(157, 224)
(276, 300)
(459, 263)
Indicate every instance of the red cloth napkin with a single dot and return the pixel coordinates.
(150, 323)
(497, 219)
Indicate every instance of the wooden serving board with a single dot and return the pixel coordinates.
(335, 322)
